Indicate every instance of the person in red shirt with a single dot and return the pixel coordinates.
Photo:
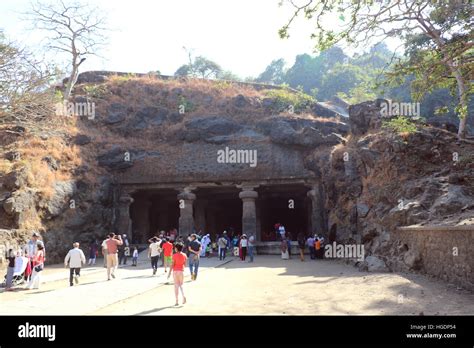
(178, 264)
(112, 257)
(168, 253)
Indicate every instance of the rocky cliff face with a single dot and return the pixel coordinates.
(381, 180)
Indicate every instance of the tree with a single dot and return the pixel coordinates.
(441, 31)
(206, 68)
(199, 67)
(73, 28)
(24, 84)
(228, 75)
(274, 72)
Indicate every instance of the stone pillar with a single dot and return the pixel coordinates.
(141, 224)
(317, 210)
(186, 220)
(124, 223)
(249, 214)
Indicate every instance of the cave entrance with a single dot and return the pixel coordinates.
(153, 211)
(218, 209)
(286, 204)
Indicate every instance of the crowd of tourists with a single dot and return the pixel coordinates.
(168, 248)
(314, 243)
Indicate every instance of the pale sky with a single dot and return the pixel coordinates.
(240, 35)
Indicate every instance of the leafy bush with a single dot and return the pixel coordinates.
(285, 98)
(400, 124)
(188, 106)
(95, 91)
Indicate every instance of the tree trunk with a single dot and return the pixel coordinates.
(70, 83)
(463, 102)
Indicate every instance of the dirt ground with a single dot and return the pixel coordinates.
(274, 286)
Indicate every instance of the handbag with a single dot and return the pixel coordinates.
(39, 268)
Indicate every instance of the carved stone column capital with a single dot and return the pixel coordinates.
(187, 196)
(248, 194)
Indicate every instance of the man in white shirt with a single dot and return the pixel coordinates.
(75, 257)
(104, 252)
(154, 251)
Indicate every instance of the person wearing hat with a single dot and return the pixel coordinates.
(113, 243)
(30, 250)
(244, 242)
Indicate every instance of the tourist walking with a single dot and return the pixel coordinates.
(205, 242)
(75, 258)
(310, 244)
(222, 245)
(251, 247)
(112, 258)
(38, 266)
(187, 240)
(104, 250)
(301, 243)
(177, 267)
(154, 252)
(195, 248)
(135, 256)
(162, 239)
(243, 247)
(93, 252)
(30, 250)
(235, 245)
(10, 270)
(124, 250)
(168, 253)
(289, 238)
(284, 250)
(318, 245)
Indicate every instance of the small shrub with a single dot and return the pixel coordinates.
(95, 91)
(284, 98)
(401, 125)
(188, 106)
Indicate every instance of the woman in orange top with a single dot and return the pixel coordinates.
(179, 262)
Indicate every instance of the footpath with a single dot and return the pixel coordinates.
(56, 297)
